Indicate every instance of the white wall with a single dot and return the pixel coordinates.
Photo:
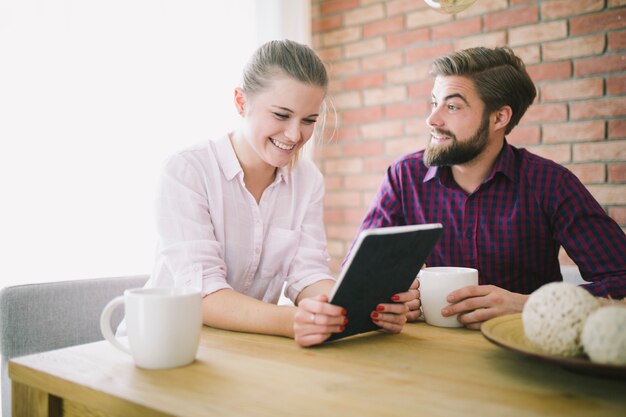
(93, 96)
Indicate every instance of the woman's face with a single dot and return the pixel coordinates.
(280, 119)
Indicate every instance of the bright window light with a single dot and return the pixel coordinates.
(94, 95)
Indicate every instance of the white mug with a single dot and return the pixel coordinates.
(436, 283)
(163, 325)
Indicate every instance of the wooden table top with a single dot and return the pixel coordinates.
(424, 371)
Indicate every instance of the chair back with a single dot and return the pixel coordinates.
(40, 317)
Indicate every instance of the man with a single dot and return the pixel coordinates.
(505, 211)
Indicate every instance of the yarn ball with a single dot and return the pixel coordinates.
(604, 335)
(554, 316)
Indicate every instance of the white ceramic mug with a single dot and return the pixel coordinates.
(436, 284)
(163, 325)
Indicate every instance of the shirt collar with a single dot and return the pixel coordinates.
(505, 163)
(231, 166)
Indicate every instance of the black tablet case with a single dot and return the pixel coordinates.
(383, 265)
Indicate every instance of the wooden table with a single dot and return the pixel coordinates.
(425, 371)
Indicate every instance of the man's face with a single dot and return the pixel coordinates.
(459, 126)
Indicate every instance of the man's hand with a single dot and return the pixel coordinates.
(478, 303)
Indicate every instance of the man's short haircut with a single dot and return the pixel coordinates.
(499, 75)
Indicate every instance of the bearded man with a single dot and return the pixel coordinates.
(506, 212)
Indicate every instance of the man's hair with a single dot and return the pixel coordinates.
(499, 75)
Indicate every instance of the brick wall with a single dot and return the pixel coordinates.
(378, 54)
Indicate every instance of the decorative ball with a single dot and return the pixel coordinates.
(604, 335)
(554, 316)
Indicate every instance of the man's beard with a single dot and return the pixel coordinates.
(456, 153)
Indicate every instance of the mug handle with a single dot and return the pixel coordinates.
(105, 324)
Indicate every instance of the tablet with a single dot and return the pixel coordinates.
(383, 262)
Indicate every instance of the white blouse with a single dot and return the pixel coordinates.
(212, 234)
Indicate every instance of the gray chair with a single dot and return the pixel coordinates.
(39, 317)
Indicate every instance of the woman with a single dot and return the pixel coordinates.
(240, 216)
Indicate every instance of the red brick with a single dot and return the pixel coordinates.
(378, 164)
(427, 52)
(348, 100)
(330, 54)
(333, 182)
(557, 153)
(483, 7)
(567, 8)
(343, 166)
(524, 135)
(407, 38)
(617, 129)
(540, 32)
(618, 214)
(382, 130)
(392, 59)
(617, 171)
(426, 19)
(616, 85)
(395, 7)
(341, 36)
(347, 133)
(599, 65)
(574, 48)
(617, 40)
(359, 82)
(401, 110)
(600, 151)
(409, 74)
(343, 68)
(598, 108)
(616, 3)
(573, 131)
(383, 27)
(574, 89)
(458, 28)
(362, 182)
(334, 215)
(364, 15)
(598, 22)
(401, 146)
(327, 150)
(421, 89)
(545, 113)
(336, 6)
(355, 215)
(511, 18)
(362, 115)
(325, 24)
(489, 40)
(384, 95)
(589, 173)
(550, 71)
(608, 194)
(368, 47)
(342, 231)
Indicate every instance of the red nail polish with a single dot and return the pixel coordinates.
(375, 315)
(342, 328)
(343, 312)
(345, 320)
(395, 298)
(380, 308)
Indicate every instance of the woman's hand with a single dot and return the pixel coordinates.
(392, 317)
(415, 304)
(315, 320)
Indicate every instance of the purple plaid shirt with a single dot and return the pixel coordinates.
(512, 226)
